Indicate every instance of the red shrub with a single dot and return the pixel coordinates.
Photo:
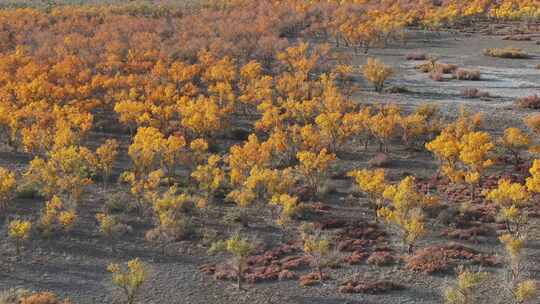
(369, 287)
(381, 258)
(529, 102)
(465, 74)
(474, 93)
(416, 56)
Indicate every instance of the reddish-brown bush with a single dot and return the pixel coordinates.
(437, 258)
(380, 160)
(369, 287)
(436, 76)
(468, 233)
(311, 279)
(356, 258)
(474, 93)
(381, 258)
(416, 56)
(428, 260)
(466, 74)
(285, 275)
(517, 38)
(529, 102)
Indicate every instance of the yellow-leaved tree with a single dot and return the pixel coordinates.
(146, 150)
(240, 248)
(64, 171)
(405, 210)
(376, 72)
(373, 183)
(514, 142)
(449, 144)
(522, 290)
(289, 208)
(19, 231)
(465, 291)
(476, 155)
(384, 125)
(131, 279)
(57, 217)
(511, 198)
(104, 158)
(313, 168)
(210, 178)
(316, 248)
(8, 184)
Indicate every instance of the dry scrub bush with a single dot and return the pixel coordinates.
(513, 53)
(376, 73)
(130, 279)
(416, 56)
(529, 102)
(518, 38)
(466, 74)
(433, 66)
(111, 227)
(474, 93)
(43, 298)
(436, 75)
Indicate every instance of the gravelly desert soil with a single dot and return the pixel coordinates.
(75, 266)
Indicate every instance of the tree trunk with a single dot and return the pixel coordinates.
(410, 248)
(239, 276)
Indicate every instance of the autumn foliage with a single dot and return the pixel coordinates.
(246, 108)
